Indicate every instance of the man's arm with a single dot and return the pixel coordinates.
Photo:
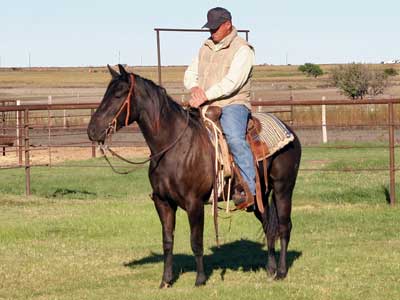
(237, 76)
(191, 76)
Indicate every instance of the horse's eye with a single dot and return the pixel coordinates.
(118, 94)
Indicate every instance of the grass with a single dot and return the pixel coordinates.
(88, 233)
(88, 183)
(329, 186)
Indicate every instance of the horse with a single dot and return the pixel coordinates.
(181, 168)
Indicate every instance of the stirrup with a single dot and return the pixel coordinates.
(241, 201)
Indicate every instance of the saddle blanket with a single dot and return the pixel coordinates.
(274, 132)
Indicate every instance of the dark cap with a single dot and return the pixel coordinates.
(216, 16)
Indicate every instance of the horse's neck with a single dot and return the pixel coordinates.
(161, 127)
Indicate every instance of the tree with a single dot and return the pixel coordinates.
(358, 80)
(311, 70)
(378, 83)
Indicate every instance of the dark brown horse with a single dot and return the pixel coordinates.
(181, 169)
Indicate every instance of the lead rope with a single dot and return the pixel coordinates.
(214, 209)
(105, 148)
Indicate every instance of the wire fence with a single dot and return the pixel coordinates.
(45, 135)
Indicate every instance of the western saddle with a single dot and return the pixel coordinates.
(230, 181)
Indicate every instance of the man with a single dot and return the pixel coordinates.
(220, 75)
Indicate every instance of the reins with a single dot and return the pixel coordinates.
(112, 128)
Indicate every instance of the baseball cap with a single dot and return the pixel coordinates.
(216, 16)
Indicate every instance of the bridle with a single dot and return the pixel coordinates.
(112, 127)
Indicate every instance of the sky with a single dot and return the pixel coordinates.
(96, 33)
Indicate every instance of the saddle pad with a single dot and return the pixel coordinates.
(273, 132)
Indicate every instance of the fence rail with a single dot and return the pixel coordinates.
(22, 126)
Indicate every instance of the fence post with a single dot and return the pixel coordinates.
(3, 119)
(49, 102)
(391, 151)
(65, 119)
(27, 158)
(93, 143)
(158, 57)
(19, 135)
(324, 133)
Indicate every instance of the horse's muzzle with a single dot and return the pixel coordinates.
(96, 135)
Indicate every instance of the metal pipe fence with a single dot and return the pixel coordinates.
(35, 133)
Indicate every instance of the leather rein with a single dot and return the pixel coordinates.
(113, 128)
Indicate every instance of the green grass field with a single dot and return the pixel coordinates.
(88, 233)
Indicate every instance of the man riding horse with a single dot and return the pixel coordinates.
(181, 168)
(220, 76)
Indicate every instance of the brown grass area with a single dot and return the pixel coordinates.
(172, 75)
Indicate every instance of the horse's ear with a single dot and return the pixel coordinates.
(123, 72)
(113, 73)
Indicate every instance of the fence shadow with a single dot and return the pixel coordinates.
(244, 255)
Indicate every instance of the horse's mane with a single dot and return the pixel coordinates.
(162, 102)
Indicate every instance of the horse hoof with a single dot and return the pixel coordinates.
(280, 275)
(197, 284)
(165, 285)
(200, 281)
(271, 275)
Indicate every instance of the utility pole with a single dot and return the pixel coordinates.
(287, 58)
(119, 56)
(29, 59)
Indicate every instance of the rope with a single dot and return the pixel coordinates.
(104, 148)
(103, 151)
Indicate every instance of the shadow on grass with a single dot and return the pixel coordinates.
(387, 193)
(60, 193)
(244, 255)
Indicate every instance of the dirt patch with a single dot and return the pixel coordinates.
(44, 156)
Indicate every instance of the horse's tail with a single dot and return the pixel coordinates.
(272, 226)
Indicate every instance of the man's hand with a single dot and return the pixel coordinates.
(198, 97)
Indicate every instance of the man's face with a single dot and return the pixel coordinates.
(222, 31)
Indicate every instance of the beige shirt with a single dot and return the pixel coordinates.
(235, 78)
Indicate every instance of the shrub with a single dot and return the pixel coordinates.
(357, 80)
(391, 72)
(378, 83)
(311, 70)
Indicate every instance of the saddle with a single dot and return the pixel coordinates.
(227, 171)
(266, 135)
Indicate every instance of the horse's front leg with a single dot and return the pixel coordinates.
(167, 213)
(196, 220)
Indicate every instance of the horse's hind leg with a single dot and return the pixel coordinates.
(167, 217)
(271, 266)
(196, 220)
(283, 200)
(270, 229)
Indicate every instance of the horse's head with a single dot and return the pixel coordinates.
(115, 109)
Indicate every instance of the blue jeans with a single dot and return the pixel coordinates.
(234, 125)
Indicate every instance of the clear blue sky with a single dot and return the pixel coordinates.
(83, 33)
